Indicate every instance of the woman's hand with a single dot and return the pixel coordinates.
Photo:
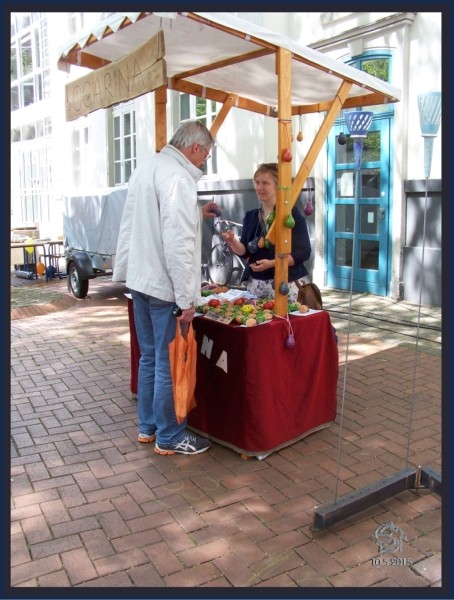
(262, 265)
(228, 236)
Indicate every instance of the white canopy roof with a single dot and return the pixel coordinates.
(215, 54)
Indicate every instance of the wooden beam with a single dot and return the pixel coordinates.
(353, 102)
(223, 63)
(160, 111)
(283, 245)
(195, 89)
(222, 114)
(314, 150)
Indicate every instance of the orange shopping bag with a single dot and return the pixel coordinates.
(183, 362)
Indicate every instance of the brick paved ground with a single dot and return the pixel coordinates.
(93, 508)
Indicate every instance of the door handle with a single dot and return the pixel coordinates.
(382, 213)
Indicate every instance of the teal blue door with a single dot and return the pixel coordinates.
(358, 215)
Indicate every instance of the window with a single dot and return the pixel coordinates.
(29, 59)
(30, 184)
(81, 152)
(124, 143)
(201, 109)
(378, 64)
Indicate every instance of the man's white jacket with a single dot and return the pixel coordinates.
(160, 238)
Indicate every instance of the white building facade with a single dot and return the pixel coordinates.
(52, 158)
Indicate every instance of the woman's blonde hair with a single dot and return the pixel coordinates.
(271, 168)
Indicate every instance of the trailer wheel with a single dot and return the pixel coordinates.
(79, 286)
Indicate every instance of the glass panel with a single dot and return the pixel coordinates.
(117, 173)
(127, 170)
(368, 254)
(344, 152)
(344, 252)
(116, 127)
(378, 67)
(127, 124)
(369, 219)
(345, 184)
(13, 63)
(28, 92)
(117, 150)
(127, 148)
(15, 135)
(371, 147)
(201, 107)
(345, 213)
(14, 98)
(185, 112)
(27, 59)
(370, 183)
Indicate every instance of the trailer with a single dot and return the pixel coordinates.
(91, 224)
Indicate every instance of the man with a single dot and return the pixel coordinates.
(159, 257)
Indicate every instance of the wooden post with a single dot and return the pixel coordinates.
(283, 234)
(160, 99)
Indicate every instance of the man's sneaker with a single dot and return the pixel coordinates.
(145, 438)
(191, 444)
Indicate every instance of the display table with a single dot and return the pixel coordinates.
(253, 394)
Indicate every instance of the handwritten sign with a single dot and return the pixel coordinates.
(141, 71)
(219, 317)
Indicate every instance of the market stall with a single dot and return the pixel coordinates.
(224, 59)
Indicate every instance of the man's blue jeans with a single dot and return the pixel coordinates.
(155, 326)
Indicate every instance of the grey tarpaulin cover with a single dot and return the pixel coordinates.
(91, 222)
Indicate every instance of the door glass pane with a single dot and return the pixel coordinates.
(371, 147)
(344, 152)
(345, 213)
(368, 251)
(344, 252)
(369, 219)
(370, 183)
(345, 184)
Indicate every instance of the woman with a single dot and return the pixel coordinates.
(258, 252)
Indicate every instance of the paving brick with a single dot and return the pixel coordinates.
(75, 526)
(429, 568)
(120, 562)
(205, 553)
(19, 549)
(163, 559)
(321, 561)
(276, 564)
(56, 546)
(97, 544)
(135, 540)
(78, 566)
(193, 577)
(59, 579)
(34, 569)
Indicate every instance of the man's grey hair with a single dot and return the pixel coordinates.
(191, 132)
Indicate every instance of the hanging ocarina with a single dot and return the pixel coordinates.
(284, 289)
(290, 341)
(342, 140)
(308, 208)
(289, 221)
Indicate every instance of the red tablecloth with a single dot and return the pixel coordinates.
(255, 395)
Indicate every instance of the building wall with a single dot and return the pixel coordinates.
(247, 139)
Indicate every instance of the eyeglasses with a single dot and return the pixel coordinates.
(208, 155)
